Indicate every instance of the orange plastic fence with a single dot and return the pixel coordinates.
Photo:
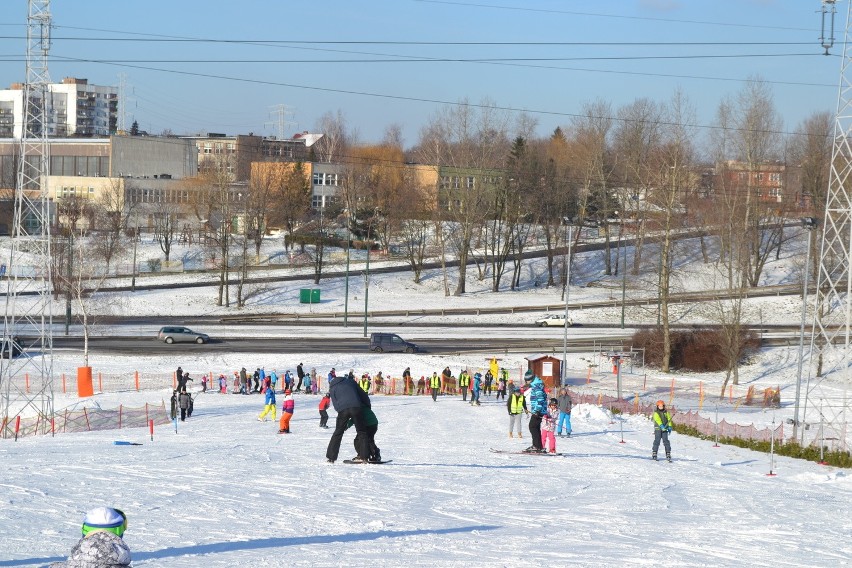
(89, 419)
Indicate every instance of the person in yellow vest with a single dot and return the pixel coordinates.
(662, 426)
(435, 385)
(517, 407)
(364, 383)
(464, 383)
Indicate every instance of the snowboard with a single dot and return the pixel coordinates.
(366, 463)
(526, 453)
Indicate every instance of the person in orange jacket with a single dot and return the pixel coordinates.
(287, 412)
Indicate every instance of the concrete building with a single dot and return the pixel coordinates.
(74, 108)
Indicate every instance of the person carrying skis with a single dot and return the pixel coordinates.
(517, 406)
(269, 405)
(287, 410)
(565, 404)
(538, 408)
(662, 426)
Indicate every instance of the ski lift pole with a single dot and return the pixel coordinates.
(821, 437)
(716, 428)
(621, 423)
(772, 449)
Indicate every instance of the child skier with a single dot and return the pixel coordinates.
(269, 407)
(662, 426)
(548, 426)
(223, 384)
(477, 388)
(102, 543)
(287, 412)
(325, 402)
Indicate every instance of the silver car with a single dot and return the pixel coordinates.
(176, 334)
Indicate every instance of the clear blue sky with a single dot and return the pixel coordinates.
(237, 93)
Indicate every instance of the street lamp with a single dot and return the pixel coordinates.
(809, 224)
(346, 296)
(135, 240)
(569, 222)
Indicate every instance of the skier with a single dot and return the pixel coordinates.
(174, 405)
(102, 543)
(368, 436)
(538, 408)
(502, 383)
(269, 405)
(325, 402)
(464, 383)
(308, 381)
(548, 426)
(421, 385)
(256, 378)
(223, 384)
(349, 401)
(662, 426)
(477, 388)
(244, 386)
(517, 406)
(565, 405)
(287, 410)
(204, 383)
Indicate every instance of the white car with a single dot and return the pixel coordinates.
(553, 320)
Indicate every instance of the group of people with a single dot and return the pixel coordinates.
(181, 401)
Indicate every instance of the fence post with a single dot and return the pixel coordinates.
(136, 379)
(63, 384)
(100, 382)
(716, 428)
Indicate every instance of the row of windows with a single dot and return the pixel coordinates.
(760, 176)
(326, 179)
(91, 166)
(158, 196)
(66, 192)
(322, 201)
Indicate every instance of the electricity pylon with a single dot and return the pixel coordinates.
(26, 381)
(826, 408)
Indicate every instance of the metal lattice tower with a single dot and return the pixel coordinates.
(26, 381)
(826, 409)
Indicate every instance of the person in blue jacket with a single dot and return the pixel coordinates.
(349, 400)
(477, 389)
(538, 408)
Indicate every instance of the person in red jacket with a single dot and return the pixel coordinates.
(287, 412)
(325, 402)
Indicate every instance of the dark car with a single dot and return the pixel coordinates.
(177, 334)
(15, 348)
(391, 342)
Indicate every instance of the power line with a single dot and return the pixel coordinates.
(398, 97)
(615, 16)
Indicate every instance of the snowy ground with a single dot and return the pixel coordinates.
(226, 490)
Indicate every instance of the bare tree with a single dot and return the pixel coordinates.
(470, 144)
(333, 145)
(166, 226)
(111, 213)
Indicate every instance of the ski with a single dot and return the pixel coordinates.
(123, 443)
(527, 453)
(366, 463)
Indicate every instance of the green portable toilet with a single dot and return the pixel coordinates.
(305, 295)
(315, 296)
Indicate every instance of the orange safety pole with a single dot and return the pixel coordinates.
(27, 381)
(636, 404)
(600, 399)
(17, 426)
(100, 382)
(174, 380)
(151, 427)
(63, 384)
(136, 379)
(671, 394)
(53, 425)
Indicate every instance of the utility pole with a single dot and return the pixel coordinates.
(809, 224)
(570, 224)
(29, 270)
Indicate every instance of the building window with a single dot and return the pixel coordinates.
(456, 182)
(471, 182)
(775, 177)
(445, 182)
(318, 178)
(760, 176)
(331, 179)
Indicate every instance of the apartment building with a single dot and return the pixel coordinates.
(74, 108)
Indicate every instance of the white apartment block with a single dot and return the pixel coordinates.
(74, 108)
